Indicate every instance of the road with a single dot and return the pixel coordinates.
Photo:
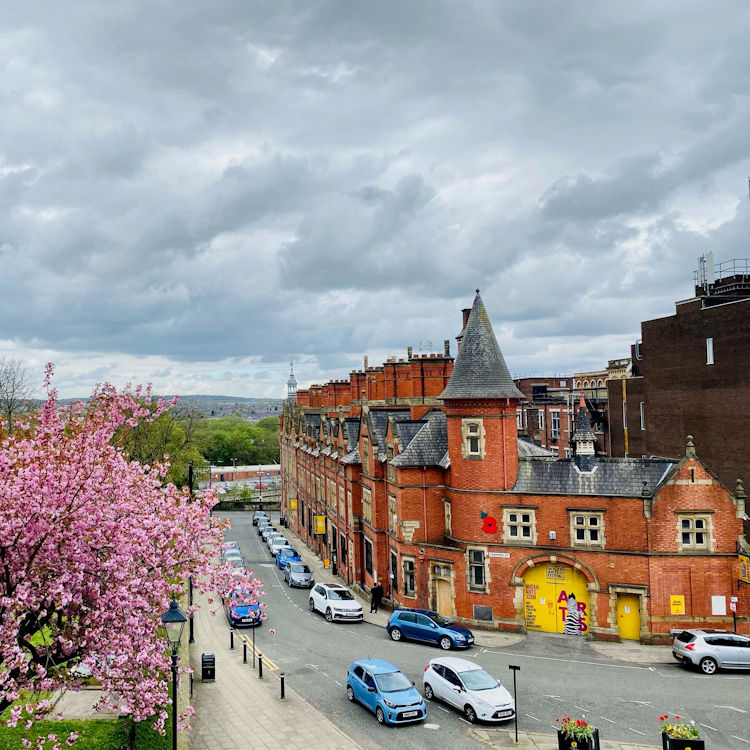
(558, 675)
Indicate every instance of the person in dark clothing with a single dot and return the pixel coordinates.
(376, 592)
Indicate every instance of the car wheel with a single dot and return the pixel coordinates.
(288, 582)
(708, 665)
(311, 604)
(350, 693)
(445, 643)
(396, 634)
(470, 714)
(380, 715)
(428, 691)
(329, 615)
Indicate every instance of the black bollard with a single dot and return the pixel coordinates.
(231, 638)
(260, 666)
(244, 652)
(281, 674)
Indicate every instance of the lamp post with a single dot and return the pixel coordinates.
(174, 622)
(260, 487)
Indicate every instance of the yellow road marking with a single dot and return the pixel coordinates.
(267, 663)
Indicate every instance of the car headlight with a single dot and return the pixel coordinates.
(460, 637)
(389, 703)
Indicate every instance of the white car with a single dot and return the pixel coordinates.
(271, 538)
(267, 531)
(466, 686)
(335, 601)
(277, 544)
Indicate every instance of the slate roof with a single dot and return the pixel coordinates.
(407, 429)
(351, 434)
(480, 370)
(379, 419)
(583, 427)
(429, 444)
(615, 477)
(527, 448)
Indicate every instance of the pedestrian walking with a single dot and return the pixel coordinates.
(376, 593)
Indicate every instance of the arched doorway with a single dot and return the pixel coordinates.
(554, 593)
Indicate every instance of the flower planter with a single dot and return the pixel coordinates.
(675, 743)
(577, 743)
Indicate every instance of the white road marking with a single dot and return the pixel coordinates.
(609, 720)
(325, 675)
(568, 661)
(431, 726)
(338, 683)
(708, 727)
(643, 734)
(581, 708)
(644, 703)
(732, 708)
(312, 666)
(464, 720)
(532, 717)
(735, 737)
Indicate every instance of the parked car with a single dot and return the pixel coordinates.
(234, 556)
(263, 523)
(241, 615)
(267, 530)
(466, 686)
(335, 601)
(230, 544)
(385, 690)
(298, 574)
(278, 542)
(428, 626)
(258, 515)
(273, 537)
(261, 486)
(711, 649)
(285, 555)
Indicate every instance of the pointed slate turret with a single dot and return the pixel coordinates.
(584, 439)
(480, 370)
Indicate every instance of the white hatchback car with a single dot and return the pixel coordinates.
(277, 544)
(466, 686)
(335, 601)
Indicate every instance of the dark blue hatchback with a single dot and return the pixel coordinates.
(430, 627)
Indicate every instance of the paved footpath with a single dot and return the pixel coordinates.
(240, 712)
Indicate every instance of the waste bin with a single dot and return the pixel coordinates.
(208, 667)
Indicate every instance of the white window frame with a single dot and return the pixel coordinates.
(519, 419)
(540, 415)
(519, 519)
(409, 576)
(366, 504)
(710, 350)
(472, 439)
(587, 529)
(643, 415)
(392, 518)
(554, 416)
(693, 525)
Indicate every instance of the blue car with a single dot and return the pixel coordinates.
(285, 555)
(241, 615)
(430, 627)
(386, 691)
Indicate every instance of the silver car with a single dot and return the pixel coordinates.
(298, 574)
(712, 649)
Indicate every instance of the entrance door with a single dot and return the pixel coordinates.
(444, 599)
(555, 599)
(629, 616)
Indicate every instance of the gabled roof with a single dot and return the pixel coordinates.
(480, 370)
(428, 445)
(615, 477)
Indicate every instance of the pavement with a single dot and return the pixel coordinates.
(239, 711)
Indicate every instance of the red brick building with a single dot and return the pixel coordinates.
(412, 473)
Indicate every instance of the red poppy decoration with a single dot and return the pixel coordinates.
(490, 523)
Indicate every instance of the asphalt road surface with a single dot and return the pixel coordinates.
(558, 675)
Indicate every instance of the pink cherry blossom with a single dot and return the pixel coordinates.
(93, 547)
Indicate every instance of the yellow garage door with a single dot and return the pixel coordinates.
(555, 599)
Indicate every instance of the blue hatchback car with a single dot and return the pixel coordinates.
(242, 615)
(431, 627)
(285, 555)
(386, 691)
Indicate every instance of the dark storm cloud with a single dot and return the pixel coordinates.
(244, 183)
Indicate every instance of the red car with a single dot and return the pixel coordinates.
(261, 486)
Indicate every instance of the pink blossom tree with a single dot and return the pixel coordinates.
(92, 548)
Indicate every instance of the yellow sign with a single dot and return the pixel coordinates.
(292, 503)
(320, 524)
(677, 604)
(744, 568)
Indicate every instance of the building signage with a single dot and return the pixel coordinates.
(320, 524)
(292, 503)
(677, 604)
(499, 554)
(744, 568)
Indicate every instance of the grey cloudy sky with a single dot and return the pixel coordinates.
(195, 193)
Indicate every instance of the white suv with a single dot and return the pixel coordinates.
(335, 601)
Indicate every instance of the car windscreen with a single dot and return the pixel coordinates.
(478, 679)
(440, 620)
(340, 594)
(391, 682)
(299, 568)
(289, 552)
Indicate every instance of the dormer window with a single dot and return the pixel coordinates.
(472, 433)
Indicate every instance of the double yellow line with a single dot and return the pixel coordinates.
(266, 661)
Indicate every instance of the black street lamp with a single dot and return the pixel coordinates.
(174, 620)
